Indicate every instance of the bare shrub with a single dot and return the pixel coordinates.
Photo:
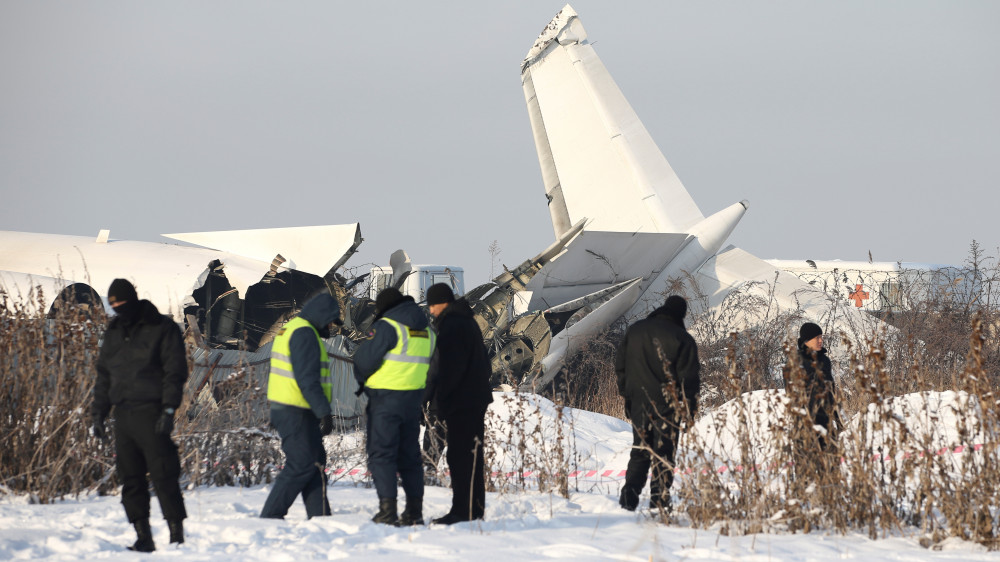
(588, 380)
(47, 372)
(532, 447)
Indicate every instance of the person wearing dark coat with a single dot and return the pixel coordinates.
(299, 390)
(391, 369)
(458, 389)
(659, 377)
(818, 383)
(141, 371)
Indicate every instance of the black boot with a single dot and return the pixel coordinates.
(386, 512)
(414, 512)
(144, 537)
(629, 499)
(176, 531)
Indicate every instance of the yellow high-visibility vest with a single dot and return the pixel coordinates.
(405, 366)
(281, 385)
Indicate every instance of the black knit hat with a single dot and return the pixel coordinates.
(439, 293)
(387, 299)
(121, 291)
(676, 307)
(809, 331)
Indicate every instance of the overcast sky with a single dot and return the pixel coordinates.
(850, 126)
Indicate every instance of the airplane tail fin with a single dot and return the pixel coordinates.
(597, 158)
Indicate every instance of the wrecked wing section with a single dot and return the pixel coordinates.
(596, 157)
(595, 260)
(581, 319)
(310, 249)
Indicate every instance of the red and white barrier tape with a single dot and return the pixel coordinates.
(619, 473)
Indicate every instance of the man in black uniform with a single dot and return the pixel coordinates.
(141, 371)
(458, 388)
(659, 377)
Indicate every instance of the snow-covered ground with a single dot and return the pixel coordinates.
(589, 525)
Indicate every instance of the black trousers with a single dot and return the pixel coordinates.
(465, 435)
(305, 462)
(394, 441)
(654, 442)
(139, 450)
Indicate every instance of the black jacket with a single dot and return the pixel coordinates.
(459, 377)
(319, 311)
(382, 337)
(141, 362)
(819, 386)
(640, 370)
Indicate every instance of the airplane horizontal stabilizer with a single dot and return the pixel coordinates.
(594, 260)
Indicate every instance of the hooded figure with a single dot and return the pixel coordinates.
(659, 377)
(299, 390)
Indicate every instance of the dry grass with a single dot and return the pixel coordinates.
(917, 451)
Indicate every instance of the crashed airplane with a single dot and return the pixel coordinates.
(626, 229)
(626, 233)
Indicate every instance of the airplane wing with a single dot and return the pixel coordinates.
(167, 274)
(597, 158)
(312, 249)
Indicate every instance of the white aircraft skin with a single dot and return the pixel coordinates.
(600, 166)
(166, 274)
(625, 226)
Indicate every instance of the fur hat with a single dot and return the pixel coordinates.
(439, 293)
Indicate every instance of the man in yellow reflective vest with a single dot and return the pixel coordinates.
(299, 391)
(391, 367)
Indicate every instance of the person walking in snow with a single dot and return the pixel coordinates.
(458, 388)
(141, 371)
(299, 390)
(818, 381)
(659, 377)
(391, 369)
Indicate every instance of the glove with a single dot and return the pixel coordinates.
(326, 424)
(164, 425)
(99, 431)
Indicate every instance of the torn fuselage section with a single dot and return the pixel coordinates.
(227, 321)
(528, 349)
(256, 280)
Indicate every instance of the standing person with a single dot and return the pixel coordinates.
(659, 377)
(391, 368)
(141, 371)
(818, 373)
(299, 389)
(459, 390)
